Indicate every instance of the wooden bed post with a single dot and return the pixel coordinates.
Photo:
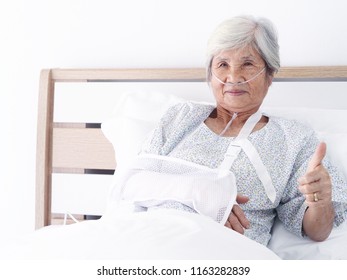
(44, 150)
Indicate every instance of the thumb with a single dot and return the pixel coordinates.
(317, 157)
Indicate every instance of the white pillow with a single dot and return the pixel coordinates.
(321, 120)
(336, 149)
(134, 117)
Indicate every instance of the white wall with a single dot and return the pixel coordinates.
(130, 33)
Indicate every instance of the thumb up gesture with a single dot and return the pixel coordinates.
(315, 184)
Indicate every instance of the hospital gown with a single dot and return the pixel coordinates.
(285, 147)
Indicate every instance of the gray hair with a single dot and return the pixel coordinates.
(242, 31)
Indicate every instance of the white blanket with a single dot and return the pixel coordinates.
(159, 234)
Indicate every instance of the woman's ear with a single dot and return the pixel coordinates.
(269, 79)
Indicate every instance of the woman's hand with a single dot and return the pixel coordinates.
(317, 188)
(316, 183)
(237, 220)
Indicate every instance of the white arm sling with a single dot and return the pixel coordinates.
(152, 179)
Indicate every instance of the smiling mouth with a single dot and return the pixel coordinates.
(235, 92)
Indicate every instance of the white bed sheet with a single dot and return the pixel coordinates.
(291, 247)
(160, 234)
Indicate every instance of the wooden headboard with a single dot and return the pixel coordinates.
(65, 147)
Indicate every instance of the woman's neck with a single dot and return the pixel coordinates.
(219, 119)
(223, 116)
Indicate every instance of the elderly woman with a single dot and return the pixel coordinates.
(280, 167)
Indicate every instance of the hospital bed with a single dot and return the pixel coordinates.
(91, 121)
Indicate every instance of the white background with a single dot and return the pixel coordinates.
(129, 33)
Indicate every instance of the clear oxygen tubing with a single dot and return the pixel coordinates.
(239, 83)
(228, 124)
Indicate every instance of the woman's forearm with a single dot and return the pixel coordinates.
(318, 221)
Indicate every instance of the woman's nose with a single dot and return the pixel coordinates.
(235, 76)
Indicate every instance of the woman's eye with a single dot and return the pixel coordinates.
(248, 64)
(223, 65)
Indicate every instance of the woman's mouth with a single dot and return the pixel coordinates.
(234, 92)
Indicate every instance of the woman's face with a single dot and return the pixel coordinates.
(234, 66)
